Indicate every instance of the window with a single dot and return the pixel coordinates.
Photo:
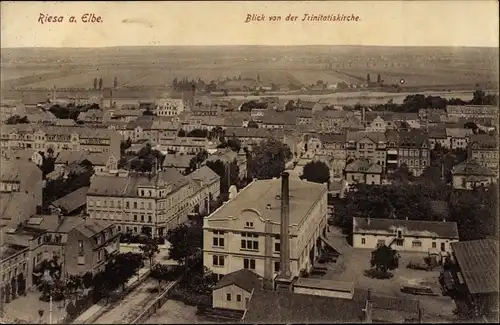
(150, 219)
(80, 247)
(249, 263)
(249, 224)
(380, 242)
(127, 205)
(434, 244)
(142, 205)
(218, 240)
(150, 206)
(238, 298)
(142, 218)
(228, 296)
(363, 241)
(276, 266)
(218, 260)
(248, 241)
(416, 243)
(135, 205)
(277, 247)
(135, 217)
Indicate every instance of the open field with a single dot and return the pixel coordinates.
(156, 67)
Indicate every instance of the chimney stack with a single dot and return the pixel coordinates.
(110, 98)
(285, 224)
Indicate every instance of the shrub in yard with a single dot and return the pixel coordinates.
(378, 274)
(71, 309)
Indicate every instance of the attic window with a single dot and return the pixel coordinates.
(249, 224)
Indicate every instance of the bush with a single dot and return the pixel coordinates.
(377, 274)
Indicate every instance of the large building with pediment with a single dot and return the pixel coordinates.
(245, 232)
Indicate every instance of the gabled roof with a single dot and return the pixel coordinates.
(363, 166)
(478, 261)
(410, 227)
(244, 278)
(73, 200)
(472, 168)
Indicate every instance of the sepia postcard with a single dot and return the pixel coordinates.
(254, 162)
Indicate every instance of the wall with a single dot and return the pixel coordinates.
(323, 292)
(371, 242)
(72, 253)
(219, 298)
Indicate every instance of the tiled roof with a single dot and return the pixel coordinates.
(69, 156)
(14, 206)
(248, 132)
(244, 278)
(261, 197)
(177, 160)
(473, 168)
(204, 175)
(363, 166)
(484, 140)
(413, 138)
(410, 227)
(478, 261)
(438, 132)
(458, 132)
(332, 138)
(90, 227)
(271, 307)
(73, 200)
(356, 136)
(113, 185)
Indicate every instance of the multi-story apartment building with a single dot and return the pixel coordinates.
(247, 233)
(363, 171)
(204, 122)
(79, 244)
(376, 125)
(366, 145)
(92, 116)
(41, 138)
(413, 151)
(186, 145)
(458, 138)
(484, 149)
(472, 111)
(152, 130)
(21, 177)
(147, 203)
(168, 107)
(331, 145)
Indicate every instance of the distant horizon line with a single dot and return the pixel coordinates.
(243, 45)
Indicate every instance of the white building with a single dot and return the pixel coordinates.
(245, 232)
(404, 235)
(169, 107)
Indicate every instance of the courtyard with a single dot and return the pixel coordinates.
(25, 309)
(351, 265)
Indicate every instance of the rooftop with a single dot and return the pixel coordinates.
(363, 166)
(244, 278)
(410, 227)
(478, 261)
(73, 200)
(325, 284)
(472, 168)
(287, 307)
(263, 198)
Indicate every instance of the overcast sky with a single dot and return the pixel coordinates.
(390, 23)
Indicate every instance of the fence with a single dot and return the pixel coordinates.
(155, 305)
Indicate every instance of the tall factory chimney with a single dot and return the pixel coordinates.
(110, 98)
(193, 96)
(284, 279)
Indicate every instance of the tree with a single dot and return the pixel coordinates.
(181, 133)
(160, 272)
(124, 145)
(402, 174)
(198, 133)
(384, 259)
(186, 241)
(290, 105)
(95, 83)
(269, 158)
(115, 83)
(149, 250)
(100, 83)
(316, 171)
(197, 160)
(253, 124)
(221, 169)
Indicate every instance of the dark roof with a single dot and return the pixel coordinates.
(484, 140)
(244, 278)
(478, 261)
(413, 138)
(472, 168)
(73, 200)
(270, 307)
(404, 305)
(410, 227)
